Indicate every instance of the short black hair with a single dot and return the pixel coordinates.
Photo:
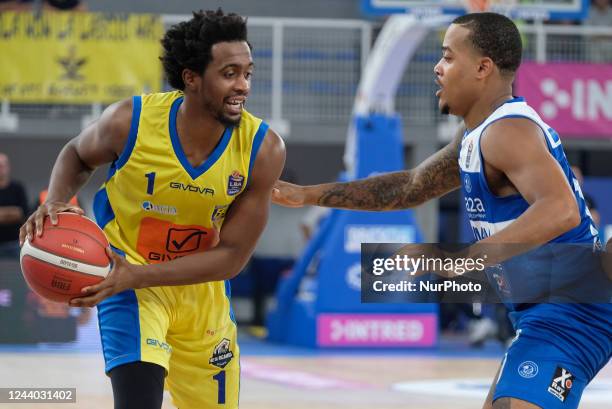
(494, 36)
(189, 44)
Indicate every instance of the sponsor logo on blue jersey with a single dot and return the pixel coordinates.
(561, 383)
(468, 156)
(528, 369)
(475, 207)
(467, 183)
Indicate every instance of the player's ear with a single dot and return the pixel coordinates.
(190, 79)
(486, 66)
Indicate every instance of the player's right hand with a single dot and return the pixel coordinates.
(34, 223)
(288, 194)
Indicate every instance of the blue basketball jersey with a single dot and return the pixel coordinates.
(488, 213)
(583, 331)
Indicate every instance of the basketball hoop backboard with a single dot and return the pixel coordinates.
(518, 9)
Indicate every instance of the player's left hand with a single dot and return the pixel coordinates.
(122, 277)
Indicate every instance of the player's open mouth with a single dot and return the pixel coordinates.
(439, 91)
(235, 105)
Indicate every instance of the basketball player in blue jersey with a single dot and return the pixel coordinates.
(511, 165)
(186, 198)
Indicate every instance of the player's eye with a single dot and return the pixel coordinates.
(229, 74)
(248, 75)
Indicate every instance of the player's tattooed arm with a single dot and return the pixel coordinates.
(434, 177)
(437, 175)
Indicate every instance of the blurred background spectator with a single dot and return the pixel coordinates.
(13, 209)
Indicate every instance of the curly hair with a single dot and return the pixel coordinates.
(188, 45)
(494, 36)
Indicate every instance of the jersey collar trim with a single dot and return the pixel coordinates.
(195, 172)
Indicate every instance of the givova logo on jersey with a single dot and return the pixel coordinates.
(561, 383)
(159, 344)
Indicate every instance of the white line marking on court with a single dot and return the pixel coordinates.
(598, 391)
(295, 378)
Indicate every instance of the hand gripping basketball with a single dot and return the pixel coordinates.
(70, 256)
(123, 276)
(36, 220)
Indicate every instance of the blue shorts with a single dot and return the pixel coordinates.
(540, 373)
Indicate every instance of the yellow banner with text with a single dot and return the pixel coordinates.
(78, 57)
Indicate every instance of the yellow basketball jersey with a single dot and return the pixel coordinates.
(155, 206)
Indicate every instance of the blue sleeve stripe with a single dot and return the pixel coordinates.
(117, 250)
(103, 211)
(228, 294)
(257, 140)
(131, 141)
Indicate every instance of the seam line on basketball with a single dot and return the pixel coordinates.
(79, 231)
(51, 258)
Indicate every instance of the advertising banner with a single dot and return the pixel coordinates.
(377, 330)
(78, 57)
(574, 99)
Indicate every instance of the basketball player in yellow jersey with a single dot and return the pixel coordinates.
(186, 199)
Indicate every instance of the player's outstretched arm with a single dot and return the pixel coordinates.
(99, 143)
(244, 224)
(437, 175)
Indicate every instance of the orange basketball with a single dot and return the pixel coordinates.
(66, 258)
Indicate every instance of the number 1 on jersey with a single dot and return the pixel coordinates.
(150, 182)
(220, 378)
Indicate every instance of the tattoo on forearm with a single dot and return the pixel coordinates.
(398, 190)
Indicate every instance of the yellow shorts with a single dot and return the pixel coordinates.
(189, 330)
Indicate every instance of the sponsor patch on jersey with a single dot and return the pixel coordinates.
(561, 383)
(222, 354)
(160, 240)
(235, 183)
(161, 209)
(474, 207)
(468, 156)
(218, 213)
(528, 369)
(467, 183)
